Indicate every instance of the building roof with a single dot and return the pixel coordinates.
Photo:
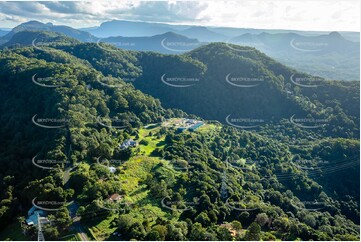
(31, 210)
(128, 143)
(114, 197)
(112, 169)
(33, 216)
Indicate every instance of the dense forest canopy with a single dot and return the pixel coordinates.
(272, 161)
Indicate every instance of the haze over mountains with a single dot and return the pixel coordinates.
(3, 32)
(138, 29)
(333, 55)
(35, 25)
(138, 131)
(228, 174)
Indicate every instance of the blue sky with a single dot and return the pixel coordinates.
(282, 14)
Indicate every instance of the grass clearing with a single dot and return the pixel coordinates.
(135, 170)
(147, 134)
(104, 229)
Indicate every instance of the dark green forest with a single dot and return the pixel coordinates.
(291, 172)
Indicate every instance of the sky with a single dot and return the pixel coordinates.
(327, 15)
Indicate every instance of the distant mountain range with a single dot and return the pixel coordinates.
(139, 29)
(204, 34)
(167, 43)
(282, 155)
(3, 32)
(35, 25)
(325, 54)
(131, 29)
(328, 55)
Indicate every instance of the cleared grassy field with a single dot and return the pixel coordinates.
(209, 128)
(153, 141)
(133, 172)
(104, 229)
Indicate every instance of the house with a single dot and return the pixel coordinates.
(181, 129)
(31, 210)
(194, 127)
(190, 124)
(112, 169)
(115, 197)
(128, 143)
(33, 214)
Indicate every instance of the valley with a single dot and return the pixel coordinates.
(221, 142)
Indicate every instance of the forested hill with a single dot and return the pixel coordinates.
(68, 108)
(250, 84)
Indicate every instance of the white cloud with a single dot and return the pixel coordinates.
(303, 15)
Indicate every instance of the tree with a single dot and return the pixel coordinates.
(174, 233)
(236, 225)
(261, 219)
(62, 218)
(253, 232)
(197, 232)
(310, 220)
(281, 224)
(161, 230)
(203, 219)
(50, 232)
(153, 236)
(137, 231)
(223, 234)
(268, 237)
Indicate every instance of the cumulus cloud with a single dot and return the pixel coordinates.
(281, 14)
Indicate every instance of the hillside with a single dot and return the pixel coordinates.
(38, 39)
(203, 34)
(76, 104)
(252, 86)
(3, 32)
(168, 42)
(328, 55)
(38, 26)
